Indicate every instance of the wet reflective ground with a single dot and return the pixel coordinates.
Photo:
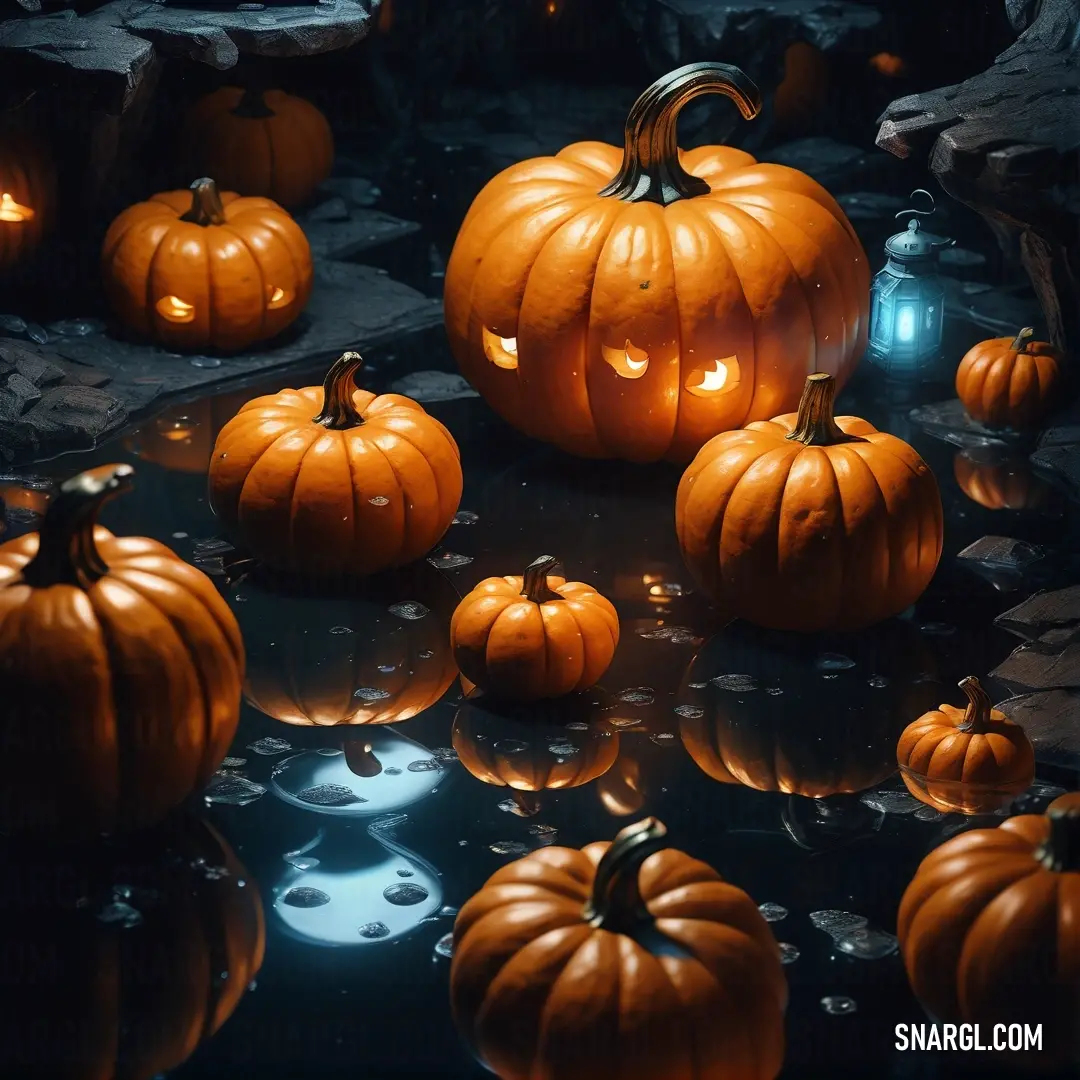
(768, 757)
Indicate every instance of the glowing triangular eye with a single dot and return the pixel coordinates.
(714, 377)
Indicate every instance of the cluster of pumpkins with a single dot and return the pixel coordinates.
(689, 296)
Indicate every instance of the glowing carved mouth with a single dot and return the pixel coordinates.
(10, 210)
(175, 310)
(501, 351)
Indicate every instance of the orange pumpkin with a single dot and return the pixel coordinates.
(999, 481)
(987, 927)
(801, 95)
(518, 746)
(535, 636)
(181, 439)
(263, 143)
(27, 197)
(202, 269)
(123, 959)
(136, 644)
(314, 661)
(969, 760)
(1010, 383)
(622, 959)
(632, 311)
(332, 481)
(810, 522)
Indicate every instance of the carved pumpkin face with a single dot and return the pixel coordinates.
(833, 727)
(135, 642)
(201, 269)
(124, 959)
(27, 197)
(367, 658)
(267, 144)
(635, 310)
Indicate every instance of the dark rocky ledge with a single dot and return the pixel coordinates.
(1007, 143)
(75, 389)
(1044, 673)
(115, 45)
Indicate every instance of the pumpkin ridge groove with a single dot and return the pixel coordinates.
(296, 491)
(239, 501)
(405, 515)
(148, 303)
(229, 227)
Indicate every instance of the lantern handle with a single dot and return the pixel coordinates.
(913, 210)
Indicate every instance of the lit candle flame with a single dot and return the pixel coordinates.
(716, 378)
(509, 345)
(276, 295)
(175, 309)
(635, 365)
(10, 210)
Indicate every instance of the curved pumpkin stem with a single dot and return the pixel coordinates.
(651, 170)
(361, 759)
(338, 411)
(816, 425)
(206, 206)
(534, 583)
(252, 106)
(67, 554)
(1060, 852)
(1019, 343)
(616, 902)
(977, 713)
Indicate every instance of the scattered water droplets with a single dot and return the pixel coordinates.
(735, 683)
(662, 738)
(449, 560)
(624, 721)
(392, 771)
(509, 847)
(636, 695)
(691, 712)
(228, 789)
(928, 813)
(301, 862)
(788, 952)
(119, 913)
(774, 691)
(465, 517)
(866, 943)
(509, 806)
(373, 931)
(577, 725)
(341, 630)
(405, 894)
(509, 746)
(379, 500)
(426, 765)
(878, 682)
(76, 327)
(831, 661)
(937, 629)
(838, 1005)
(408, 609)
(444, 753)
(329, 795)
(545, 834)
(772, 912)
(890, 802)
(677, 635)
(205, 362)
(269, 746)
(371, 693)
(562, 750)
(444, 947)
(303, 896)
(836, 923)
(234, 762)
(404, 873)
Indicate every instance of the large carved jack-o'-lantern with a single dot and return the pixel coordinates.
(633, 311)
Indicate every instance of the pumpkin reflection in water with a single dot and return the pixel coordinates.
(118, 962)
(122, 634)
(356, 888)
(998, 480)
(542, 746)
(807, 716)
(378, 655)
(987, 928)
(618, 960)
(27, 197)
(182, 438)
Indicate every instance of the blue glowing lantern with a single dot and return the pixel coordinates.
(907, 300)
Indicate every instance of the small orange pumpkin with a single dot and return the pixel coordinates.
(27, 197)
(535, 636)
(810, 522)
(204, 269)
(1010, 383)
(334, 481)
(987, 927)
(136, 644)
(632, 302)
(518, 746)
(181, 439)
(999, 481)
(622, 959)
(264, 143)
(966, 760)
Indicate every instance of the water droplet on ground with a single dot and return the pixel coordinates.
(449, 560)
(405, 894)
(269, 746)
(937, 629)
(834, 922)
(329, 751)
(511, 807)
(38, 334)
(392, 771)
(228, 789)
(697, 685)
(577, 725)
(120, 914)
(428, 765)
(76, 327)
(509, 847)
(306, 897)
(637, 695)
(379, 500)
(832, 661)
(234, 762)
(329, 795)
(772, 912)
(465, 517)
(341, 630)
(12, 323)
(408, 609)
(691, 712)
(832, 675)
(374, 930)
(788, 953)
(677, 635)
(890, 802)
(563, 750)
(404, 873)
(735, 683)
(878, 682)
(387, 669)
(444, 947)
(866, 944)
(838, 1005)
(543, 830)
(371, 693)
(301, 862)
(425, 654)
(445, 753)
(205, 362)
(928, 813)
(624, 721)
(773, 691)
(509, 746)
